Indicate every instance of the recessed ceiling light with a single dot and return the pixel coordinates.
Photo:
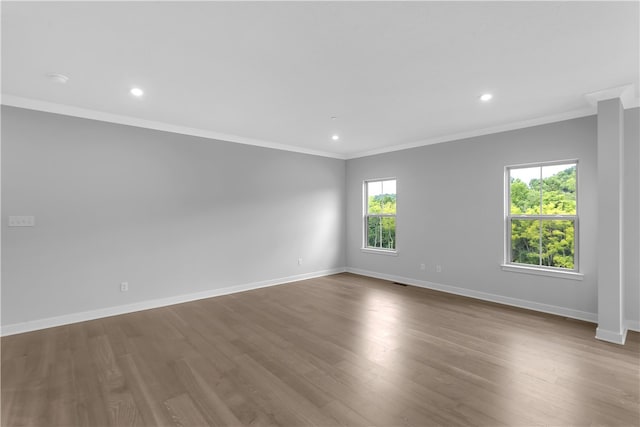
(486, 97)
(335, 137)
(136, 91)
(58, 78)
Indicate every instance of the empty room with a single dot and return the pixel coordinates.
(342, 213)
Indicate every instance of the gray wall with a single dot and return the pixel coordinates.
(450, 212)
(631, 215)
(174, 215)
(170, 214)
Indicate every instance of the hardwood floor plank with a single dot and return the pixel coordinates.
(154, 365)
(283, 401)
(346, 416)
(210, 404)
(342, 350)
(90, 407)
(61, 388)
(231, 388)
(121, 407)
(371, 402)
(151, 411)
(184, 412)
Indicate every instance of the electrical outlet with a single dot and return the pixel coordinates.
(124, 286)
(438, 268)
(299, 261)
(423, 267)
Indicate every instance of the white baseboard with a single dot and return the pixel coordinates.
(33, 325)
(531, 305)
(611, 336)
(50, 322)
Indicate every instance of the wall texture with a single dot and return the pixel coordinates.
(169, 214)
(631, 214)
(450, 213)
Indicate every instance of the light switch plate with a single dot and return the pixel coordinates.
(22, 221)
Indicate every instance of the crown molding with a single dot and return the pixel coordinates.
(587, 111)
(626, 93)
(68, 110)
(50, 107)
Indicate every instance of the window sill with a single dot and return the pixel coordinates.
(540, 271)
(379, 251)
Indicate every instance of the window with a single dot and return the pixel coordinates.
(541, 216)
(380, 214)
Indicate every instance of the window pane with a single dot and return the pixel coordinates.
(525, 241)
(374, 188)
(524, 187)
(381, 232)
(545, 190)
(381, 197)
(389, 187)
(558, 243)
(389, 233)
(374, 239)
(559, 189)
(374, 194)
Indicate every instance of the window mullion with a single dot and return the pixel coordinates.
(541, 190)
(545, 217)
(540, 221)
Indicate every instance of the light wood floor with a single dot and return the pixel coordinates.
(340, 350)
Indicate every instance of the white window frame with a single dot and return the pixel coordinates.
(366, 216)
(508, 218)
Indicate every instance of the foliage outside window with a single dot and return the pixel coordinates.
(380, 214)
(542, 219)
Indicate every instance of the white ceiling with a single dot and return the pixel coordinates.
(395, 74)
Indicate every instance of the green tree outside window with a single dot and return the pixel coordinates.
(542, 215)
(380, 214)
